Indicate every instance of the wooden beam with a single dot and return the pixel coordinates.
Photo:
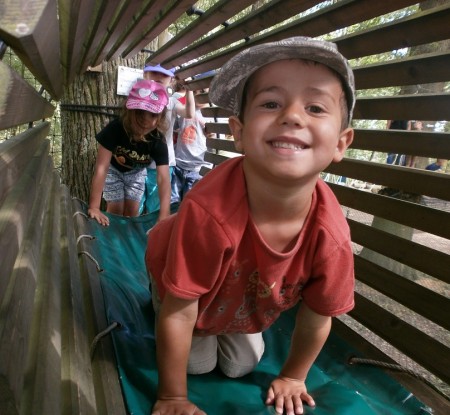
(414, 255)
(328, 19)
(419, 299)
(428, 352)
(209, 20)
(431, 107)
(416, 181)
(19, 102)
(416, 216)
(15, 155)
(148, 25)
(175, 54)
(31, 29)
(123, 18)
(419, 143)
(414, 70)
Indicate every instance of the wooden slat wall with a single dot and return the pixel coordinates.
(46, 328)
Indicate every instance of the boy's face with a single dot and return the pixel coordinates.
(291, 126)
(158, 77)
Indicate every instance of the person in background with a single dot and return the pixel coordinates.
(410, 161)
(393, 158)
(126, 146)
(190, 150)
(439, 165)
(157, 73)
(261, 232)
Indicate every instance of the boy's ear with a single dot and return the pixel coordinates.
(236, 130)
(345, 139)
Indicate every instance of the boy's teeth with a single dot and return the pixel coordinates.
(287, 145)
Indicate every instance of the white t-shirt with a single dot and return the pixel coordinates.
(171, 116)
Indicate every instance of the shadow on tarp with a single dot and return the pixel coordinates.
(338, 388)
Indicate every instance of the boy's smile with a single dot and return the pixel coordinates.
(292, 120)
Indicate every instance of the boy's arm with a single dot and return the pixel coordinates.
(288, 390)
(176, 321)
(188, 110)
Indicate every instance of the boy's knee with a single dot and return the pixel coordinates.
(239, 354)
(235, 369)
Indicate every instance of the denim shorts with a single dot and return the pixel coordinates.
(129, 185)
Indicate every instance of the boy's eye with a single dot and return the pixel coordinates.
(270, 105)
(315, 109)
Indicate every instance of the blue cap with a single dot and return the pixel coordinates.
(160, 69)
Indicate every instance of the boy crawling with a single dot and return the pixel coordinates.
(260, 232)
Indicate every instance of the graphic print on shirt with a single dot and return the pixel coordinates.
(130, 158)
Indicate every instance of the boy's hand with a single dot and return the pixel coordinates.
(287, 394)
(175, 407)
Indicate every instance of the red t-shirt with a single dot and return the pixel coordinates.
(212, 250)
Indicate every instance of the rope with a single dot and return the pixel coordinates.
(397, 368)
(102, 334)
(80, 213)
(90, 237)
(92, 259)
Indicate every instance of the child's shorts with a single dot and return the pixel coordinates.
(236, 354)
(129, 185)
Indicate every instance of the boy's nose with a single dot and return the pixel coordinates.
(293, 114)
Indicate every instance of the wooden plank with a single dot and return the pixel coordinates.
(16, 153)
(160, 14)
(367, 349)
(414, 70)
(419, 143)
(416, 181)
(175, 54)
(99, 33)
(43, 361)
(125, 19)
(432, 107)
(19, 102)
(74, 17)
(215, 158)
(432, 355)
(15, 213)
(220, 144)
(218, 128)
(328, 19)
(20, 244)
(215, 112)
(398, 34)
(421, 300)
(400, 211)
(420, 257)
(32, 31)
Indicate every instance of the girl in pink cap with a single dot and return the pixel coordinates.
(126, 146)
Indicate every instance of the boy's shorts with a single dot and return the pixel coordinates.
(120, 186)
(237, 354)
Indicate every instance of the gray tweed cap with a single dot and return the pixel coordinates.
(227, 86)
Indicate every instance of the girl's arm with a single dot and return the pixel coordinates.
(98, 181)
(164, 190)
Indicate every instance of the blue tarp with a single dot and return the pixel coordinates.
(337, 387)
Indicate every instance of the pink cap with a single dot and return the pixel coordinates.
(147, 96)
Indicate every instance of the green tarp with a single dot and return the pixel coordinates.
(337, 387)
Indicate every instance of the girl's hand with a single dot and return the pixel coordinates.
(287, 394)
(175, 407)
(97, 214)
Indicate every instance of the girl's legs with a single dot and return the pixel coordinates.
(116, 207)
